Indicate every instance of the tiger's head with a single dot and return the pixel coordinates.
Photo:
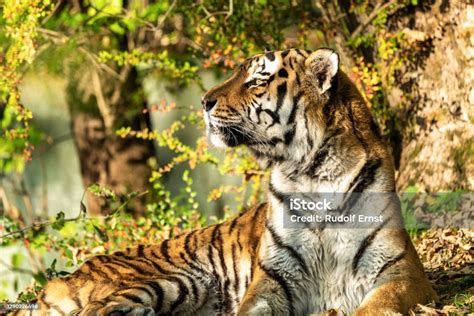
(266, 102)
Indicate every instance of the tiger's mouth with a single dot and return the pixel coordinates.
(227, 135)
(234, 135)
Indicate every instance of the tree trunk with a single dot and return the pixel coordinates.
(438, 144)
(99, 106)
(117, 163)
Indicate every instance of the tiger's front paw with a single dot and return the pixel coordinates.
(127, 309)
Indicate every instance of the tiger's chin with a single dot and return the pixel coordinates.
(227, 136)
(216, 140)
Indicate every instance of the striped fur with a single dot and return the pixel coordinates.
(302, 117)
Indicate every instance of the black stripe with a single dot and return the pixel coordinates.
(120, 264)
(283, 284)
(132, 297)
(274, 116)
(319, 158)
(232, 225)
(210, 257)
(238, 240)
(144, 259)
(94, 269)
(366, 175)
(281, 93)
(193, 266)
(394, 260)
(143, 289)
(366, 244)
(291, 63)
(296, 100)
(183, 291)
(283, 73)
(218, 243)
(140, 250)
(114, 272)
(236, 272)
(289, 135)
(292, 252)
(193, 284)
(300, 52)
(164, 249)
(281, 197)
(187, 247)
(269, 81)
(134, 266)
(189, 275)
(159, 294)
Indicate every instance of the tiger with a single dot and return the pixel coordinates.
(301, 116)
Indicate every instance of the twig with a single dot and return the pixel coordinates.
(79, 217)
(46, 19)
(26, 199)
(231, 9)
(104, 108)
(44, 188)
(11, 268)
(159, 25)
(227, 13)
(379, 8)
(100, 65)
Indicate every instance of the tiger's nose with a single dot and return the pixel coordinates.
(208, 104)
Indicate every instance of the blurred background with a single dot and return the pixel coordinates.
(102, 143)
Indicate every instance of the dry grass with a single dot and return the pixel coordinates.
(448, 258)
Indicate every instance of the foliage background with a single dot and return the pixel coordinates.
(140, 160)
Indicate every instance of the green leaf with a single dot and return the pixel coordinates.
(17, 259)
(59, 222)
(102, 234)
(40, 278)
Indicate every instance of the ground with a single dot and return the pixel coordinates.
(448, 258)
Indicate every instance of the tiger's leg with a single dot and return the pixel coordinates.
(400, 286)
(268, 294)
(167, 295)
(162, 295)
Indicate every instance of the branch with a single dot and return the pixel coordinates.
(12, 268)
(104, 108)
(165, 16)
(379, 8)
(79, 217)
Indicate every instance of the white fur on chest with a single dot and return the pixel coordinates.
(329, 281)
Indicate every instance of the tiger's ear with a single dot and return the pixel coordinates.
(321, 67)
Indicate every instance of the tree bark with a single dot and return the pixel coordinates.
(438, 144)
(107, 159)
